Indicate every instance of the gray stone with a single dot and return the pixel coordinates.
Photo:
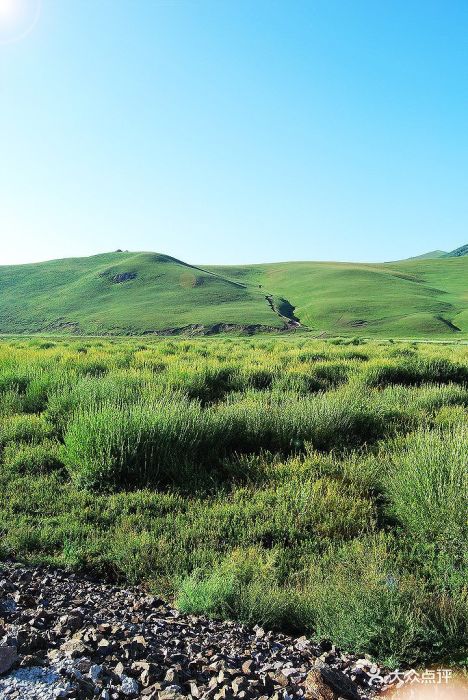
(95, 672)
(8, 657)
(129, 686)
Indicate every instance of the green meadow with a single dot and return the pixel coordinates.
(315, 486)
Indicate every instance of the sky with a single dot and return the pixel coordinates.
(233, 131)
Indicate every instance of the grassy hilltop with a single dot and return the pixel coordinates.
(123, 293)
(139, 293)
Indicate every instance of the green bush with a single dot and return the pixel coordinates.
(206, 384)
(10, 403)
(128, 446)
(334, 420)
(414, 372)
(360, 597)
(427, 484)
(88, 393)
(451, 416)
(11, 380)
(242, 586)
(24, 428)
(26, 458)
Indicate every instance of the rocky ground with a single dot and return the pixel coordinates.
(68, 636)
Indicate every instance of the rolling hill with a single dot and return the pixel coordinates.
(432, 254)
(458, 252)
(145, 293)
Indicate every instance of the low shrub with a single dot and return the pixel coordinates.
(206, 384)
(414, 372)
(334, 420)
(451, 416)
(24, 428)
(360, 597)
(427, 484)
(118, 447)
(26, 458)
(10, 403)
(11, 380)
(243, 586)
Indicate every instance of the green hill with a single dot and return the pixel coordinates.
(458, 252)
(430, 256)
(143, 293)
(420, 298)
(124, 293)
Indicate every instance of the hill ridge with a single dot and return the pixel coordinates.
(141, 293)
(458, 252)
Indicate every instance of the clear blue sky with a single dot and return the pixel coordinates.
(233, 131)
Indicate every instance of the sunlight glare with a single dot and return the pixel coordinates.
(18, 19)
(8, 10)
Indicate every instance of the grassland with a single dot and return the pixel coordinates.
(147, 293)
(412, 298)
(316, 486)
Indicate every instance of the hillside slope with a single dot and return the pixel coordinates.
(431, 255)
(142, 293)
(458, 252)
(124, 293)
(414, 298)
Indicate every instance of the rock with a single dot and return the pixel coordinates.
(325, 683)
(119, 670)
(8, 657)
(73, 648)
(239, 683)
(172, 692)
(287, 672)
(172, 676)
(95, 672)
(194, 690)
(247, 667)
(129, 686)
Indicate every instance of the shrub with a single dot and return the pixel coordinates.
(134, 445)
(24, 428)
(327, 421)
(359, 596)
(11, 380)
(257, 378)
(414, 372)
(89, 393)
(243, 586)
(207, 384)
(38, 391)
(320, 376)
(427, 484)
(25, 458)
(451, 416)
(10, 403)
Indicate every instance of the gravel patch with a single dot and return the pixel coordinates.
(35, 683)
(70, 636)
